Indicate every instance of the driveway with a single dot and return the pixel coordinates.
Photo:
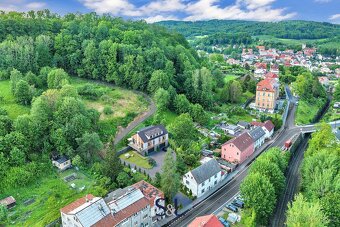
(159, 157)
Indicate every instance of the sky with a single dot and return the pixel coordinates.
(190, 10)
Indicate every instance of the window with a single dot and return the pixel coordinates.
(187, 182)
(215, 175)
(203, 183)
(215, 182)
(203, 190)
(237, 153)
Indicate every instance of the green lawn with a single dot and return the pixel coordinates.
(50, 193)
(125, 105)
(229, 77)
(9, 104)
(137, 159)
(306, 112)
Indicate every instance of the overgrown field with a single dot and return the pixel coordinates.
(7, 101)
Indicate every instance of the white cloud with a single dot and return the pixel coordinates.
(160, 18)
(156, 10)
(21, 5)
(36, 5)
(335, 17)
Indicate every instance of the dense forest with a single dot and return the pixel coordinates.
(283, 29)
(39, 54)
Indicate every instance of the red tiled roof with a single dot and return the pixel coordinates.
(7, 201)
(76, 204)
(149, 191)
(269, 125)
(107, 221)
(265, 85)
(271, 75)
(242, 142)
(130, 210)
(206, 221)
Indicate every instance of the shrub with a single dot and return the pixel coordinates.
(108, 110)
(152, 162)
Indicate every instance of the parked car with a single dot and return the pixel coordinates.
(238, 203)
(224, 222)
(231, 207)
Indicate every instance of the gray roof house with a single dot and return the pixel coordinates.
(149, 139)
(243, 124)
(203, 178)
(258, 135)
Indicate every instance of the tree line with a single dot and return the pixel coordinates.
(317, 203)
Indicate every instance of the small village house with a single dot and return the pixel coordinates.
(62, 162)
(267, 126)
(238, 149)
(258, 136)
(8, 202)
(204, 178)
(149, 139)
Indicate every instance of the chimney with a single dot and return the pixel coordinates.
(86, 199)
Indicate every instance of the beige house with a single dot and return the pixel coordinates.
(62, 162)
(152, 138)
(267, 92)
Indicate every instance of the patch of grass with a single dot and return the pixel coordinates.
(50, 193)
(168, 116)
(8, 103)
(137, 159)
(306, 111)
(229, 77)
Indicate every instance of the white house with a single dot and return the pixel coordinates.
(267, 126)
(203, 178)
(258, 136)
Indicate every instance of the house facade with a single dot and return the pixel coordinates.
(267, 126)
(258, 136)
(153, 194)
(238, 149)
(267, 92)
(152, 138)
(203, 178)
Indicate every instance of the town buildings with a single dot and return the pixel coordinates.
(238, 149)
(267, 92)
(152, 138)
(154, 195)
(131, 206)
(202, 179)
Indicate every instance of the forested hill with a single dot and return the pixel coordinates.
(98, 47)
(284, 29)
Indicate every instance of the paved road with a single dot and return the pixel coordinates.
(228, 191)
(292, 179)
